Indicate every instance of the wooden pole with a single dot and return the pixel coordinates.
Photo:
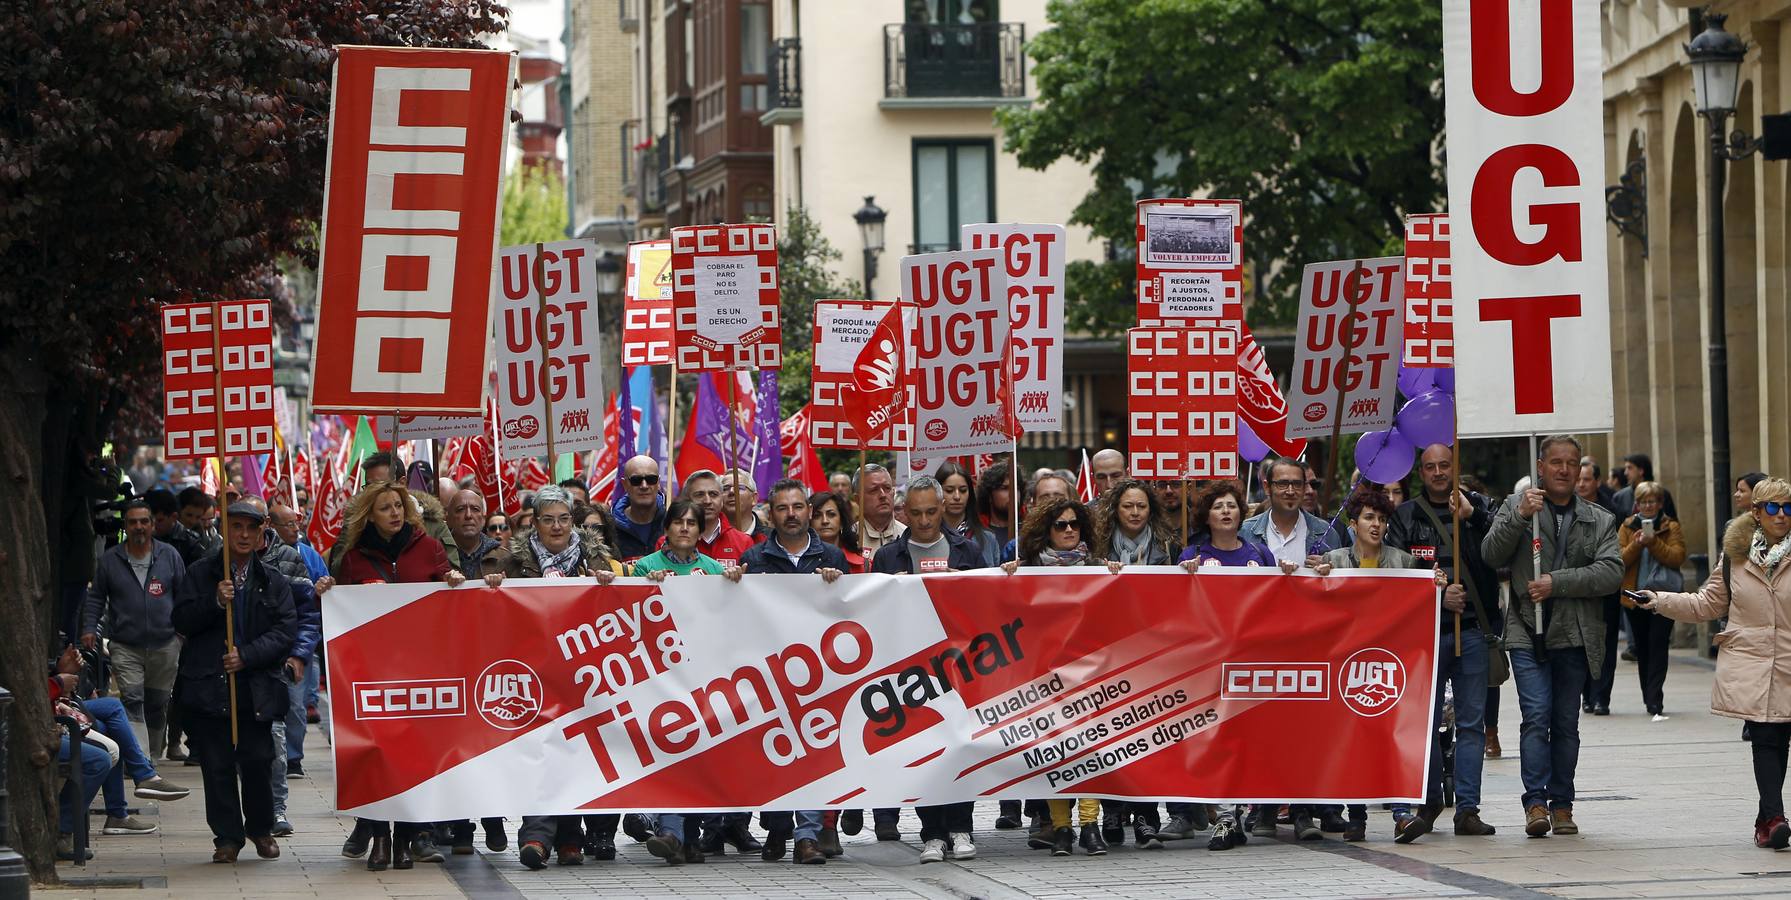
(217, 380)
(1013, 495)
(394, 441)
(671, 430)
(1346, 339)
(1457, 558)
(861, 502)
(1186, 536)
(541, 339)
(1536, 550)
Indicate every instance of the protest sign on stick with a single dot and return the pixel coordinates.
(1182, 402)
(647, 305)
(1429, 302)
(217, 379)
(725, 298)
(548, 362)
(862, 387)
(1034, 258)
(959, 342)
(1346, 347)
(1190, 262)
(410, 226)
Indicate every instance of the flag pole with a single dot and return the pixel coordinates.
(1457, 558)
(547, 427)
(671, 427)
(217, 397)
(1346, 340)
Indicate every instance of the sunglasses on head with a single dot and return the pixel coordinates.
(1774, 508)
(638, 480)
(1066, 525)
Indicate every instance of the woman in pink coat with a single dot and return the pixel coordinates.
(1752, 586)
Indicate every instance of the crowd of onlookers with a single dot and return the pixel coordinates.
(151, 629)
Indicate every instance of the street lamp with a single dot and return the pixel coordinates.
(1716, 57)
(870, 218)
(609, 274)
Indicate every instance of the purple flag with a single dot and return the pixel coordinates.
(714, 421)
(768, 465)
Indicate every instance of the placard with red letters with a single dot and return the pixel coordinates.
(191, 349)
(959, 341)
(725, 298)
(1429, 301)
(1034, 257)
(559, 696)
(647, 310)
(549, 372)
(1182, 388)
(862, 375)
(1368, 372)
(1190, 262)
(1524, 96)
(410, 226)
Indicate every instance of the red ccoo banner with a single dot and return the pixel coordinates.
(410, 227)
(196, 338)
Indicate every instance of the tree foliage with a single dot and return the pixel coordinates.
(1323, 116)
(534, 207)
(805, 273)
(149, 152)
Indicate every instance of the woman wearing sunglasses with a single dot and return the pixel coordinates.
(1752, 586)
(1653, 550)
(1055, 533)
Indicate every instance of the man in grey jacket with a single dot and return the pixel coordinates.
(131, 603)
(1563, 604)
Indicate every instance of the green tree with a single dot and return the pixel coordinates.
(149, 153)
(534, 207)
(1323, 116)
(805, 260)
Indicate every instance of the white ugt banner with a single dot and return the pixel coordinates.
(1033, 255)
(560, 311)
(1526, 177)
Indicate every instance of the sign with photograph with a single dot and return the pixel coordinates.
(1346, 347)
(725, 298)
(1034, 258)
(1190, 262)
(1182, 402)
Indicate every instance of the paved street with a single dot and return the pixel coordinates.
(1666, 811)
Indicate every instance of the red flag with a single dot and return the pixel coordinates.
(456, 462)
(604, 470)
(273, 487)
(483, 464)
(326, 516)
(1259, 399)
(875, 396)
(302, 476)
(208, 477)
(1008, 414)
(1085, 486)
(534, 475)
(805, 464)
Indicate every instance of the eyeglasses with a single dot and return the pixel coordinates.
(1066, 525)
(1774, 508)
(638, 480)
(496, 527)
(554, 520)
(1286, 485)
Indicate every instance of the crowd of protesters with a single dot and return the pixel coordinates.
(1611, 555)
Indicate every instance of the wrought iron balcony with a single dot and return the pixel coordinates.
(784, 82)
(951, 65)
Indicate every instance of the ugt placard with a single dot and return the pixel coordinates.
(1346, 347)
(208, 348)
(1034, 258)
(960, 335)
(548, 368)
(410, 226)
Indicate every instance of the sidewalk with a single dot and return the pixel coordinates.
(1666, 811)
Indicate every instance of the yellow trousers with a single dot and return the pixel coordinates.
(1088, 808)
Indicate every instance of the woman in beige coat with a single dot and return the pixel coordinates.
(1753, 671)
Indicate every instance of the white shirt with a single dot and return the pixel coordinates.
(873, 540)
(1289, 548)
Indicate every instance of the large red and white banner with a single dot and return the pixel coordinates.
(410, 226)
(1346, 347)
(1182, 403)
(779, 692)
(1190, 262)
(960, 341)
(1034, 258)
(549, 375)
(647, 307)
(213, 347)
(1429, 297)
(1523, 92)
(725, 298)
(862, 385)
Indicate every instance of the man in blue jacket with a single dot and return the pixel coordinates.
(639, 508)
(794, 549)
(131, 604)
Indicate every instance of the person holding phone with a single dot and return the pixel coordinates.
(1653, 548)
(1751, 585)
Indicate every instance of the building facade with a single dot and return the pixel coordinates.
(1659, 264)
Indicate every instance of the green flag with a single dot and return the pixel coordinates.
(364, 445)
(564, 467)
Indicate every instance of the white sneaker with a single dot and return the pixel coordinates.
(961, 847)
(933, 851)
(1659, 717)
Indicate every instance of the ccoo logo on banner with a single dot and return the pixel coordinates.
(779, 692)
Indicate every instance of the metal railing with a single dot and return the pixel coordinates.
(785, 70)
(986, 59)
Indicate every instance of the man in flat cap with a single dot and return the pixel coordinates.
(265, 624)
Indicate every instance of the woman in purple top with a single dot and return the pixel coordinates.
(1218, 514)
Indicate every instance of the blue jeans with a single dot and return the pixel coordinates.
(277, 769)
(807, 827)
(1548, 695)
(95, 763)
(295, 716)
(110, 719)
(1468, 673)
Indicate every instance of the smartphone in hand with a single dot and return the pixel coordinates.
(1638, 597)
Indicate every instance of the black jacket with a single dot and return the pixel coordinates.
(266, 629)
(186, 542)
(1412, 532)
(769, 558)
(894, 558)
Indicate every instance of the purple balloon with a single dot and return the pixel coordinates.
(1445, 380)
(1250, 446)
(1413, 382)
(1428, 419)
(1384, 456)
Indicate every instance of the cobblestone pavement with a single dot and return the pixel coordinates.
(1666, 810)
